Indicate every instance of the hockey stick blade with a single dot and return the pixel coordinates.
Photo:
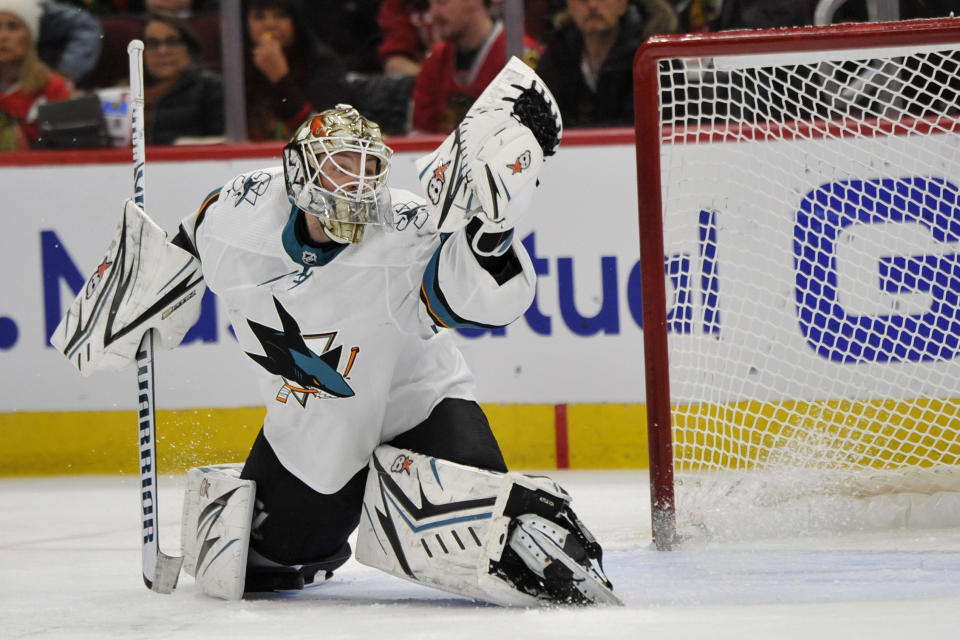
(166, 572)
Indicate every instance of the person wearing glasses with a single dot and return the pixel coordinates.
(182, 100)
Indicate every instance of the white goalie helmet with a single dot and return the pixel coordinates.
(336, 167)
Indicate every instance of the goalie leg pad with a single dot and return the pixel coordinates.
(450, 526)
(217, 519)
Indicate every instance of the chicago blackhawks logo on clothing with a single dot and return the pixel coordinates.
(305, 372)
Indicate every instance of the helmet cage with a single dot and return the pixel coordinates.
(320, 182)
(325, 168)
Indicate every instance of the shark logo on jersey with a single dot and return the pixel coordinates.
(249, 188)
(305, 371)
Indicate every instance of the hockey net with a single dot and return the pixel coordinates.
(800, 191)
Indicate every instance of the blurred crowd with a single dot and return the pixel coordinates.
(415, 66)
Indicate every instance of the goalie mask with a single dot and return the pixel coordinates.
(336, 167)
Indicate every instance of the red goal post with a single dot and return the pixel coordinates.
(843, 99)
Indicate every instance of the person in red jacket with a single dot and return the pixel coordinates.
(469, 55)
(407, 31)
(25, 81)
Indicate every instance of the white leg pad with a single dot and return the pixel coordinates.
(217, 519)
(447, 525)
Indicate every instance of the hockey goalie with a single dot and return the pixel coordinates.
(341, 291)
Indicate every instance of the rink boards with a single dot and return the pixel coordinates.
(563, 385)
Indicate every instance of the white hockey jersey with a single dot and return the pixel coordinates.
(348, 345)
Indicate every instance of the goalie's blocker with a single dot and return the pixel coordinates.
(142, 283)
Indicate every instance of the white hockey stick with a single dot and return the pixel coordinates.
(160, 571)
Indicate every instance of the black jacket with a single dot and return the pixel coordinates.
(763, 14)
(193, 107)
(612, 104)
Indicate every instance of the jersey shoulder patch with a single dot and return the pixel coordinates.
(410, 212)
(247, 188)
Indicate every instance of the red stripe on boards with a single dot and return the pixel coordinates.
(560, 428)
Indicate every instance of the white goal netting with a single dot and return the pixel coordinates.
(811, 228)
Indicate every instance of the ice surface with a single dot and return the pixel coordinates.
(70, 559)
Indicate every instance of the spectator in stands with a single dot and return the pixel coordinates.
(407, 35)
(763, 14)
(588, 61)
(536, 15)
(349, 28)
(696, 16)
(203, 19)
(100, 7)
(183, 8)
(140, 7)
(121, 27)
(289, 74)
(470, 53)
(181, 99)
(179, 8)
(25, 81)
(70, 39)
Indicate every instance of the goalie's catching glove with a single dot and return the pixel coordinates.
(488, 166)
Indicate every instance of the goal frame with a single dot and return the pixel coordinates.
(649, 134)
